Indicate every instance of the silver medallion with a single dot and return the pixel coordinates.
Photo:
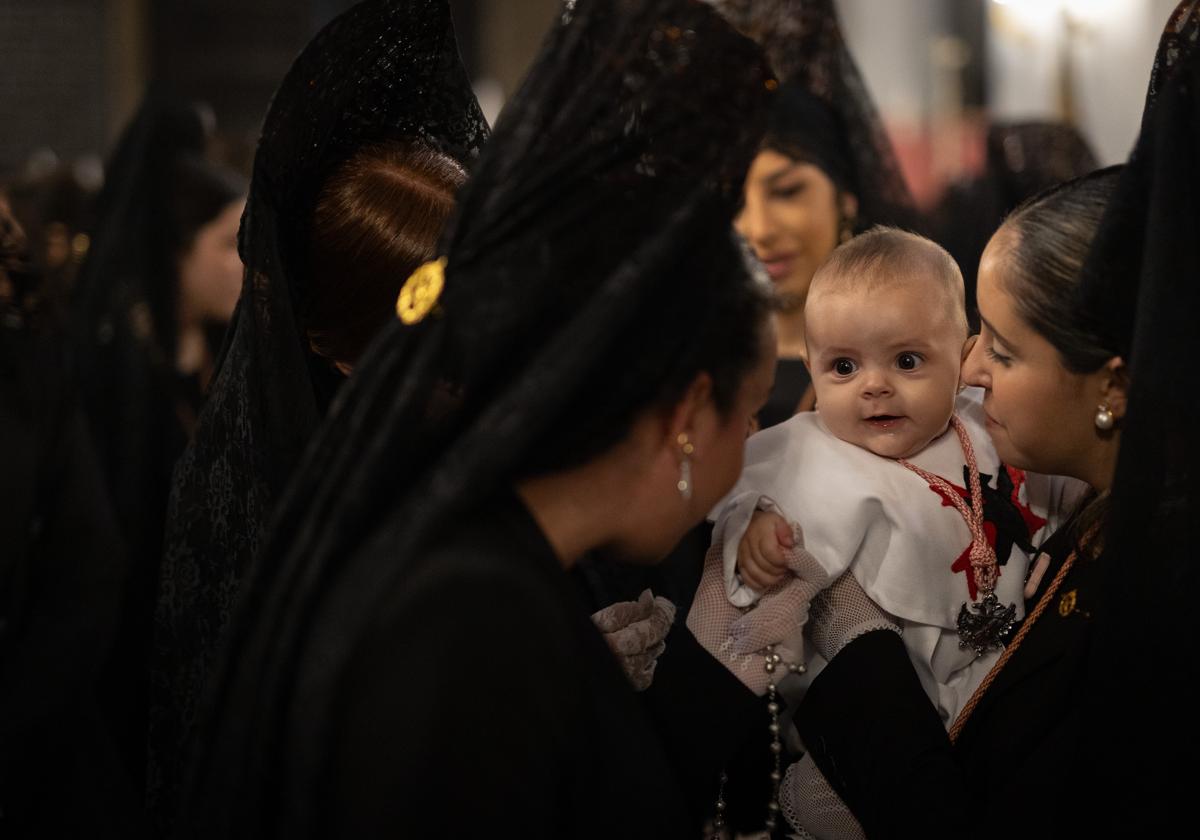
(983, 625)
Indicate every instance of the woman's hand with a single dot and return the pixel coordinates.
(636, 633)
(738, 638)
(841, 614)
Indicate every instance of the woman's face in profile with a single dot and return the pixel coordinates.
(210, 271)
(791, 218)
(1040, 415)
(658, 517)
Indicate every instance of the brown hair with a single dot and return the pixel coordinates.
(378, 217)
(885, 256)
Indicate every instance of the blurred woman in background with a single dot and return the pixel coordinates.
(149, 308)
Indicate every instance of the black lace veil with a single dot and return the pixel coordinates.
(1142, 285)
(823, 113)
(600, 210)
(385, 69)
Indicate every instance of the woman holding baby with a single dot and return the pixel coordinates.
(1081, 727)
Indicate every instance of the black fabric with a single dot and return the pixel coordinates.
(385, 69)
(707, 720)
(603, 201)
(1023, 751)
(1022, 159)
(62, 570)
(534, 729)
(823, 114)
(792, 382)
(1089, 727)
(1140, 286)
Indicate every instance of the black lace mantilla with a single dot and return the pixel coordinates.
(384, 69)
(824, 112)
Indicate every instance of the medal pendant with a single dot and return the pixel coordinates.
(983, 625)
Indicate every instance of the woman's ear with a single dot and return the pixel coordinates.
(692, 413)
(848, 204)
(1114, 386)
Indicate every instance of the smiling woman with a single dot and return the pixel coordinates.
(825, 172)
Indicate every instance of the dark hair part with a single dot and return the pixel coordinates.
(1051, 236)
(198, 193)
(378, 217)
(803, 127)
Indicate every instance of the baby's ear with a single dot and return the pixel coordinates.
(967, 347)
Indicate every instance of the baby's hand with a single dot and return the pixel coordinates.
(760, 560)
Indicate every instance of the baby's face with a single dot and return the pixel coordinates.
(885, 366)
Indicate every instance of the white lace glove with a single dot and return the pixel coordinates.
(636, 632)
(813, 807)
(738, 638)
(841, 614)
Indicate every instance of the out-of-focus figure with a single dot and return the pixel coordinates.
(149, 309)
(1022, 159)
(61, 576)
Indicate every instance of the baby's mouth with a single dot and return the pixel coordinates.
(884, 421)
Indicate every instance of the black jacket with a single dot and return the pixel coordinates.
(61, 574)
(1022, 764)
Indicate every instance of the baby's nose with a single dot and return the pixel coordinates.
(875, 383)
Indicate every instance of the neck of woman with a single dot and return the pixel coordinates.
(567, 514)
(789, 329)
(589, 506)
(1101, 467)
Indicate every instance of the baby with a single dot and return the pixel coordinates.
(893, 478)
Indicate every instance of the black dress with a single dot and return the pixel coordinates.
(485, 701)
(871, 729)
(62, 568)
(709, 722)
(792, 381)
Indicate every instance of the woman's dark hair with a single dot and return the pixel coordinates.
(377, 218)
(198, 192)
(1052, 234)
(654, 359)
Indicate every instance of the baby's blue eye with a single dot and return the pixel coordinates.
(908, 361)
(844, 367)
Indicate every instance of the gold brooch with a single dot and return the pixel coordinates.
(421, 291)
(1066, 604)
